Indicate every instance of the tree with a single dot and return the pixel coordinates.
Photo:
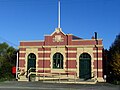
(7, 60)
(114, 52)
(116, 65)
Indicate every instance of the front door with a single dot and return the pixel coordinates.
(31, 61)
(85, 66)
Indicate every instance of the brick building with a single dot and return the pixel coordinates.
(63, 54)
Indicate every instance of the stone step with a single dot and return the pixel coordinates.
(88, 80)
(23, 78)
(71, 82)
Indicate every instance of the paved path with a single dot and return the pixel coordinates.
(14, 85)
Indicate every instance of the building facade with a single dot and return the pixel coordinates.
(62, 53)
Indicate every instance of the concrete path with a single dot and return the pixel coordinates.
(14, 85)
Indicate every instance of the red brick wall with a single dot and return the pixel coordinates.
(69, 39)
(86, 42)
(21, 63)
(31, 43)
(72, 49)
(71, 64)
(45, 64)
(40, 55)
(47, 49)
(40, 49)
(49, 41)
(99, 64)
(100, 74)
(45, 55)
(71, 55)
(22, 54)
(99, 55)
(99, 48)
(44, 71)
(22, 49)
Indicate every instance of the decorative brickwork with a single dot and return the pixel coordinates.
(71, 47)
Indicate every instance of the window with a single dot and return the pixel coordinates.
(58, 61)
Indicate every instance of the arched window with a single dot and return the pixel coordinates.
(58, 61)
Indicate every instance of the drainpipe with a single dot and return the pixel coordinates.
(67, 54)
(96, 51)
(43, 57)
(17, 65)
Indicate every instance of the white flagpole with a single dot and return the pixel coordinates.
(58, 13)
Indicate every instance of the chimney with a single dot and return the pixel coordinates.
(96, 35)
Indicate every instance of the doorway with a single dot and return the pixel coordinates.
(31, 62)
(85, 66)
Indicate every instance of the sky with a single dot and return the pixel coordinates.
(23, 20)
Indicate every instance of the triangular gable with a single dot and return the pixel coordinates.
(58, 30)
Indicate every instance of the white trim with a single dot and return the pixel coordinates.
(71, 69)
(44, 52)
(71, 58)
(99, 51)
(29, 47)
(28, 51)
(57, 70)
(79, 52)
(56, 29)
(56, 46)
(33, 41)
(21, 68)
(84, 46)
(22, 51)
(62, 51)
(22, 58)
(63, 46)
(86, 39)
(70, 51)
(43, 68)
(100, 79)
(43, 58)
(99, 70)
(98, 59)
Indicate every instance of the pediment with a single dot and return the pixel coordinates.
(58, 31)
(58, 35)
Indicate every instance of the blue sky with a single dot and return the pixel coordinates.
(32, 19)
